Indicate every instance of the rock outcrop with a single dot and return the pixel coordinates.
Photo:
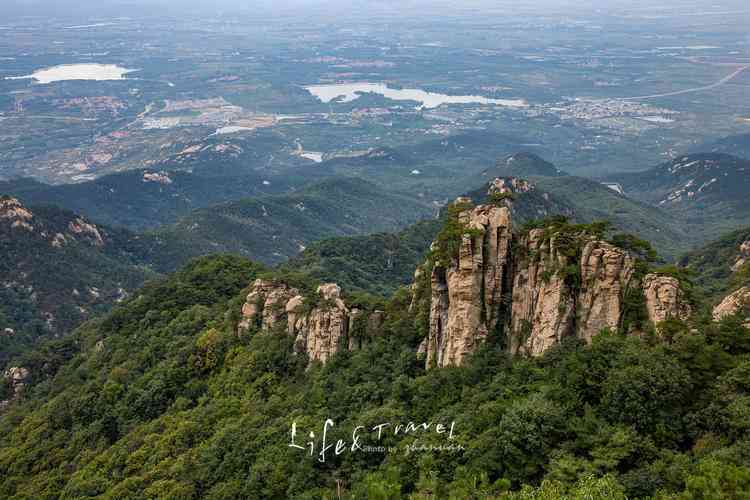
(509, 185)
(323, 332)
(265, 304)
(606, 272)
(88, 231)
(665, 299)
(320, 330)
(743, 258)
(15, 214)
(542, 308)
(16, 377)
(467, 292)
(537, 288)
(732, 304)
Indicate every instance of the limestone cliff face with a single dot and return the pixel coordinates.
(542, 309)
(466, 293)
(606, 272)
(665, 299)
(320, 331)
(732, 304)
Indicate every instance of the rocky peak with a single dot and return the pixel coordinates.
(539, 287)
(320, 330)
(665, 299)
(606, 272)
(15, 214)
(266, 304)
(733, 303)
(467, 291)
(542, 306)
(323, 331)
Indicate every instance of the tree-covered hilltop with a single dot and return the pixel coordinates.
(162, 398)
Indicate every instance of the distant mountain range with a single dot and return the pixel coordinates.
(273, 228)
(342, 229)
(60, 268)
(708, 192)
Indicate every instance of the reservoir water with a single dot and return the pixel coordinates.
(347, 92)
(76, 72)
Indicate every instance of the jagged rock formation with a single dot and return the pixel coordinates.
(538, 287)
(320, 330)
(510, 185)
(323, 332)
(266, 304)
(732, 304)
(665, 299)
(606, 272)
(87, 230)
(466, 293)
(542, 308)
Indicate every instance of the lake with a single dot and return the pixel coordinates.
(76, 72)
(347, 92)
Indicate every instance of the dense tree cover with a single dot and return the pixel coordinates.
(273, 228)
(713, 264)
(162, 399)
(377, 263)
(49, 288)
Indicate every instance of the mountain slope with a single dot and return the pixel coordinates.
(58, 269)
(698, 181)
(723, 265)
(143, 199)
(163, 399)
(273, 228)
(526, 165)
(376, 263)
(707, 191)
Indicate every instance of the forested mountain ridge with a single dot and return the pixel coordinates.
(58, 268)
(165, 397)
(272, 229)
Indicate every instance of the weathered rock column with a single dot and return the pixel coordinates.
(665, 299)
(543, 309)
(467, 293)
(606, 272)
